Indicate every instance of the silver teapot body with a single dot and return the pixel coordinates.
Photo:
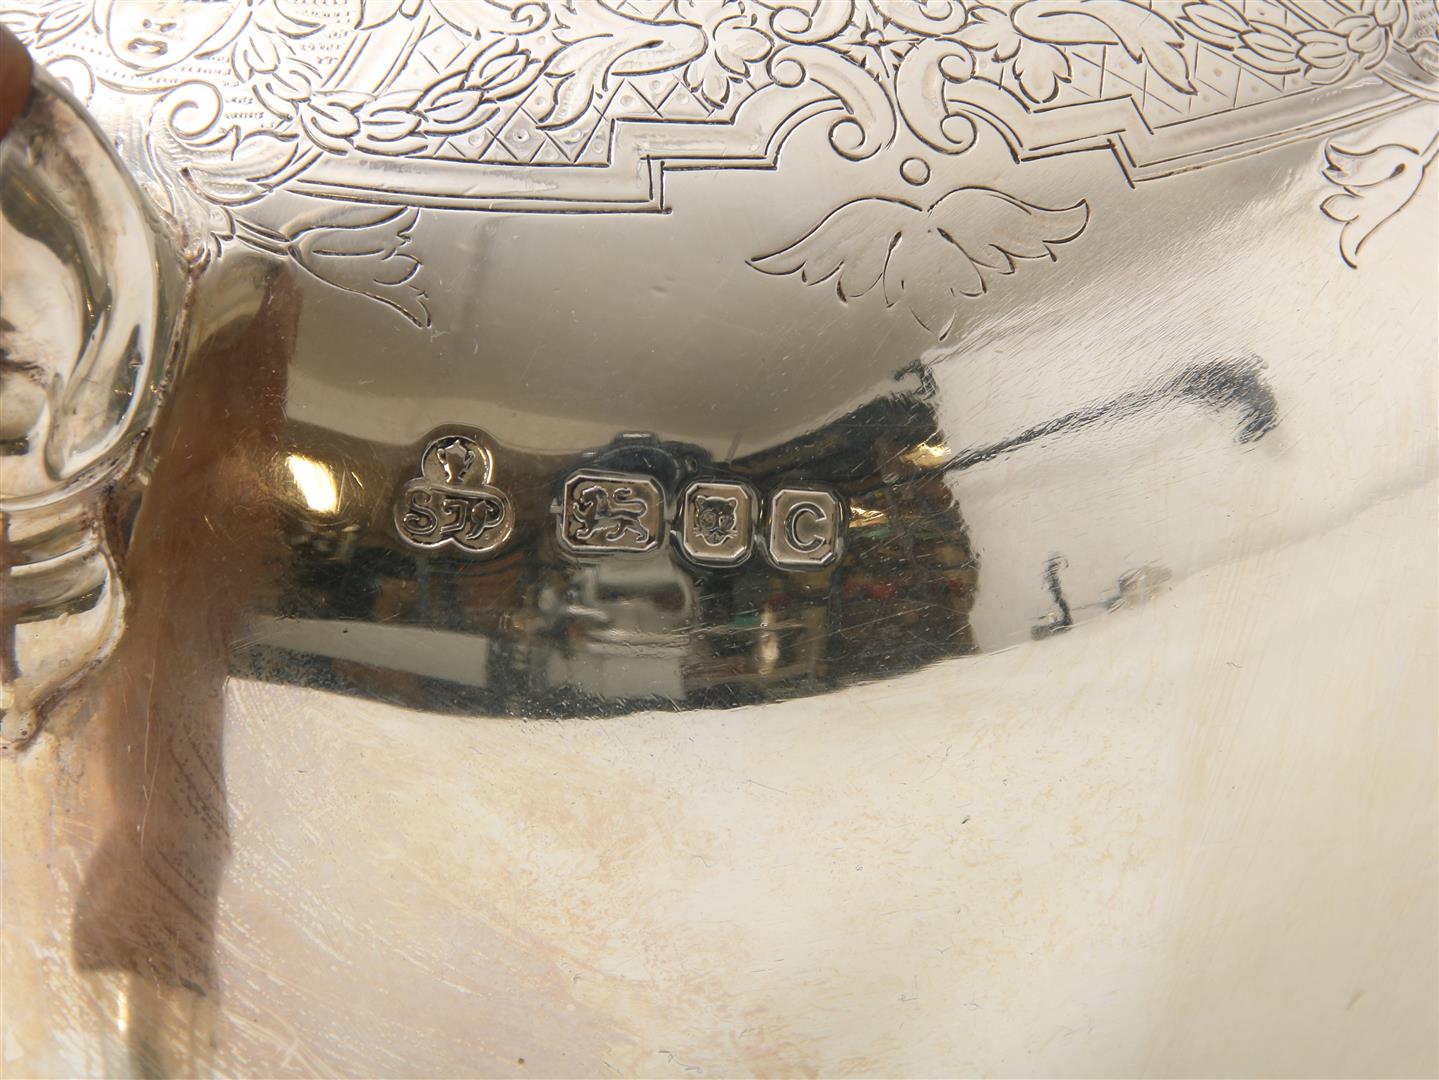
(755, 538)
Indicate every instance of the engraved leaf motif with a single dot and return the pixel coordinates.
(373, 13)
(1215, 22)
(1035, 34)
(1140, 31)
(1377, 184)
(991, 31)
(502, 69)
(329, 121)
(1270, 48)
(735, 46)
(60, 20)
(929, 259)
(368, 257)
(1326, 56)
(389, 125)
(1039, 69)
(256, 54)
(449, 107)
(232, 171)
(606, 43)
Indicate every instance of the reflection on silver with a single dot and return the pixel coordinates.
(1080, 359)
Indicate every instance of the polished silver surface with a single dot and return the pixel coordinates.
(759, 538)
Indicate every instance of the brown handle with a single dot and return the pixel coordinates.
(16, 72)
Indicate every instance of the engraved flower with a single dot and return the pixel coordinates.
(875, 46)
(733, 46)
(1038, 67)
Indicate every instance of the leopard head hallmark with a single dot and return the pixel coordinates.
(717, 522)
(452, 502)
(716, 518)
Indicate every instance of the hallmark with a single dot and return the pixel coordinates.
(607, 512)
(451, 502)
(717, 522)
(804, 528)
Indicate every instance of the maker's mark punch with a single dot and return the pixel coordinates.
(452, 502)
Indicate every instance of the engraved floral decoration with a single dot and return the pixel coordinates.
(734, 47)
(930, 259)
(1031, 40)
(1398, 40)
(348, 106)
(1321, 55)
(1376, 183)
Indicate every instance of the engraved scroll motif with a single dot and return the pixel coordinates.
(452, 502)
(237, 102)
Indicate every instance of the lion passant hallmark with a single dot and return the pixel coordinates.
(605, 512)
